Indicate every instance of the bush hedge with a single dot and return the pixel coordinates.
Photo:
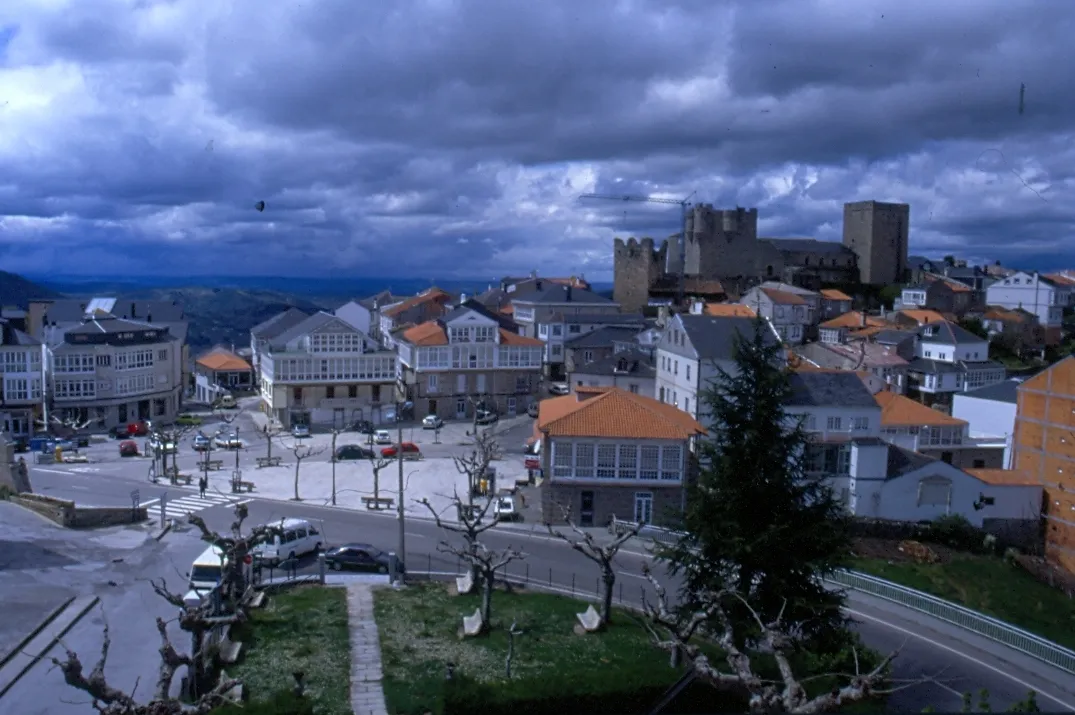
(953, 531)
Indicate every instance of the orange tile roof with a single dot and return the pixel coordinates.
(1004, 477)
(428, 296)
(508, 309)
(866, 332)
(833, 294)
(855, 319)
(783, 297)
(900, 411)
(428, 333)
(923, 316)
(729, 310)
(1061, 279)
(615, 414)
(1005, 315)
(509, 338)
(573, 281)
(223, 360)
(590, 389)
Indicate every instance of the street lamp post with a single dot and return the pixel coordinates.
(400, 400)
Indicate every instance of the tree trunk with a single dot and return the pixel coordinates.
(487, 600)
(376, 484)
(268, 444)
(298, 463)
(608, 582)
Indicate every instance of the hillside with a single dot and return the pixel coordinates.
(17, 291)
(217, 315)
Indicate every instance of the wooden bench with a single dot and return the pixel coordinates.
(183, 478)
(522, 482)
(589, 620)
(211, 464)
(378, 502)
(472, 624)
(269, 462)
(465, 584)
(242, 486)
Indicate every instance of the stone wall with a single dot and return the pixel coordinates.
(70, 515)
(609, 501)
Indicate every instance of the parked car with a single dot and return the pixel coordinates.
(228, 441)
(138, 429)
(506, 509)
(382, 436)
(353, 451)
(201, 443)
(299, 537)
(225, 402)
(128, 448)
(300, 431)
(486, 417)
(559, 388)
(359, 557)
(162, 445)
(410, 451)
(65, 445)
(532, 409)
(119, 432)
(188, 419)
(432, 422)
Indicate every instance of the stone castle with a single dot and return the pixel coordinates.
(722, 246)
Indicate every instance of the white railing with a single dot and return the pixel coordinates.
(978, 623)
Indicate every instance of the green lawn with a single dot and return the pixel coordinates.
(989, 585)
(304, 629)
(553, 670)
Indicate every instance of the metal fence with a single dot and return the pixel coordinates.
(978, 623)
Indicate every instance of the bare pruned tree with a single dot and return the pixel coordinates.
(483, 562)
(378, 464)
(164, 441)
(602, 555)
(196, 619)
(475, 465)
(302, 452)
(674, 631)
(269, 433)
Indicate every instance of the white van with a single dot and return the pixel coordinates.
(205, 574)
(299, 538)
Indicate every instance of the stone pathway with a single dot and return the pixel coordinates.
(367, 697)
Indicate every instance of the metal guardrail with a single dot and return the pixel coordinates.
(980, 624)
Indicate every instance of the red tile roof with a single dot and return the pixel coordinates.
(615, 414)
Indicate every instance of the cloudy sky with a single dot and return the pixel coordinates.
(445, 138)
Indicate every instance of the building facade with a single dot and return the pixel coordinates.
(221, 372)
(111, 372)
(468, 361)
(1036, 294)
(324, 371)
(22, 381)
(878, 233)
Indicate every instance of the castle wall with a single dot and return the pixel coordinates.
(721, 243)
(635, 267)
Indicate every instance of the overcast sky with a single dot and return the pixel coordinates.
(452, 139)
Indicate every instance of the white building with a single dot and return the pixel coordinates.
(692, 350)
(1033, 293)
(324, 371)
(22, 378)
(949, 359)
(990, 413)
(790, 312)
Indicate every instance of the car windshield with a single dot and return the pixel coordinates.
(205, 574)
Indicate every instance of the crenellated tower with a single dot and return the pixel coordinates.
(721, 243)
(636, 267)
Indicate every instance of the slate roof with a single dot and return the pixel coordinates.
(109, 324)
(602, 337)
(545, 292)
(473, 305)
(11, 336)
(269, 329)
(385, 297)
(714, 338)
(601, 319)
(638, 363)
(892, 337)
(807, 245)
(158, 311)
(824, 388)
(947, 333)
(903, 461)
(1006, 391)
(304, 326)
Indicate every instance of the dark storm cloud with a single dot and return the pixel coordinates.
(445, 137)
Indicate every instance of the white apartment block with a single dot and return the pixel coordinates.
(22, 379)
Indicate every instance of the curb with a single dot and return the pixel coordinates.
(35, 658)
(52, 616)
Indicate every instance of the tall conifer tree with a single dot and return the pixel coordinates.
(755, 520)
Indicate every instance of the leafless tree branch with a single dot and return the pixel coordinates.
(301, 452)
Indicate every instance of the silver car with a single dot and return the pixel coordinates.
(300, 431)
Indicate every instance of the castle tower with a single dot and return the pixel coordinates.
(878, 234)
(636, 267)
(721, 243)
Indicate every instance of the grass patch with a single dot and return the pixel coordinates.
(553, 670)
(990, 585)
(304, 629)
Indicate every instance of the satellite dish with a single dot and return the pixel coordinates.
(260, 205)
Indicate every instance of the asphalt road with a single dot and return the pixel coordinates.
(954, 661)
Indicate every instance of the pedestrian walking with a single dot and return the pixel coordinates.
(203, 484)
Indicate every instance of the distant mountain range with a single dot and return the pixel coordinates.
(223, 310)
(18, 292)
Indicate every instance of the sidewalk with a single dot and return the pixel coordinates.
(367, 695)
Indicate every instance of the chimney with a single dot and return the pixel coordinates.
(133, 313)
(533, 274)
(537, 285)
(862, 319)
(462, 298)
(567, 294)
(149, 317)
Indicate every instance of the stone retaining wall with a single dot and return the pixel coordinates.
(70, 515)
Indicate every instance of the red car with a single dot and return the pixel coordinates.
(532, 463)
(410, 451)
(128, 448)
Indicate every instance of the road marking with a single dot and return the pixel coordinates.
(965, 656)
(411, 535)
(631, 575)
(179, 508)
(52, 471)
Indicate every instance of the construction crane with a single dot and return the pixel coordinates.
(684, 204)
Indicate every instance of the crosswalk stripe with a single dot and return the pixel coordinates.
(182, 506)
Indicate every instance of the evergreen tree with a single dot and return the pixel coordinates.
(755, 520)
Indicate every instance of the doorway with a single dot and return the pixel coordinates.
(512, 406)
(586, 509)
(432, 407)
(339, 418)
(643, 507)
(460, 409)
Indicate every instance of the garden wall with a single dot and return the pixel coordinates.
(70, 515)
(957, 533)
